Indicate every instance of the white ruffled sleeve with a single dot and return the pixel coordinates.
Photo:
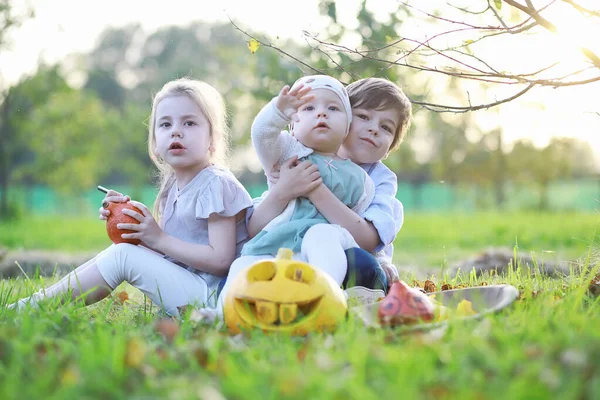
(222, 196)
(272, 143)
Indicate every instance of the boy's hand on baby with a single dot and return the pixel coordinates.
(290, 100)
(111, 197)
(297, 179)
(147, 230)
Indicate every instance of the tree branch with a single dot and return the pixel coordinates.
(404, 51)
(460, 110)
(532, 12)
(591, 13)
(491, 77)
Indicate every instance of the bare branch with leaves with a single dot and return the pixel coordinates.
(452, 52)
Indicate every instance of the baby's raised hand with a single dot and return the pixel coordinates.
(290, 100)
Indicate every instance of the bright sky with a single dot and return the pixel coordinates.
(62, 27)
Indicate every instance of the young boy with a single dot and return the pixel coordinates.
(381, 115)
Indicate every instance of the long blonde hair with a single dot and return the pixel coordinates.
(213, 108)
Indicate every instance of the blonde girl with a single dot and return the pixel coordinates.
(200, 209)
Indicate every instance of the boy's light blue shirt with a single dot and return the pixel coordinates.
(385, 211)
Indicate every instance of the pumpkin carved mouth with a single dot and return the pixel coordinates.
(272, 313)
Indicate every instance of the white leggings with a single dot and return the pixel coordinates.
(323, 246)
(167, 284)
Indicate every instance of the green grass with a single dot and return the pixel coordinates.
(426, 239)
(545, 346)
(434, 239)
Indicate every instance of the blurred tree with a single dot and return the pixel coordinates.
(484, 166)
(449, 148)
(72, 140)
(17, 107)
(406, 167)
(128, 161)
(110, 65)
(106, 87)
(8, 21)
(528, 164)
(583, 164)
(218, 54)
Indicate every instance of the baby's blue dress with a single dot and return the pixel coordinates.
(347, 182)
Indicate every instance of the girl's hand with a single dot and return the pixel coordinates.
(290, 100)
(297, 179)
(147, 230)
(111, 197)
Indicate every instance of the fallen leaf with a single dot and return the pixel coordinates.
(201, 355)
(122, 297)
(429, 286)
(303, 351)
(532, 351)
(438, 392)
(135, 353)
(182, 310)
(162, 354)
(446, 286)
(465, 308)
(70, 375)
(441, 313)
(168, 328)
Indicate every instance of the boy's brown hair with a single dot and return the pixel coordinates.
(381, 94)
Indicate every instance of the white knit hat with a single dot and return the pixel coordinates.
(328, 82)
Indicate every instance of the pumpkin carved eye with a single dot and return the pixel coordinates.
(262, 272)
(300, 273)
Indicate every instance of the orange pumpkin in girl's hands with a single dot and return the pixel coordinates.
(117, 217)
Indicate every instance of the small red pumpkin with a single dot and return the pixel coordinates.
(117, 217)
(405, 305)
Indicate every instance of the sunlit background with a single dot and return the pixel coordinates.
(69, 34)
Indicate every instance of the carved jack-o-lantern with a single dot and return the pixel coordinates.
(284, 295)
